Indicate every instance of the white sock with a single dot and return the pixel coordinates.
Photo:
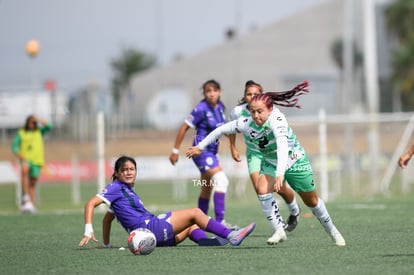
(271, 210)
(293, 207)
(321, 213)
(25, 198)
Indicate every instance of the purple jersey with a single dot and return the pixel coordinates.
(205, 119)
(126, 205)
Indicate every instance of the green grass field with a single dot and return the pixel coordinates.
(379, 234)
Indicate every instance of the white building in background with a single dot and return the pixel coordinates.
(17, 105)
(278, 56)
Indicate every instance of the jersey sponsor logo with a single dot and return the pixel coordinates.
(259, 135)
(253, 133)
(300, 168)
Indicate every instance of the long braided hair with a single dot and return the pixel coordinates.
(286, 99)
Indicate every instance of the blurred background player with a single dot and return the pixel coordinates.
(29, 148)
(169, 228)
(254, 160)
(205, 117)
(283, 157)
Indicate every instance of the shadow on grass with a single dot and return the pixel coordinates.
(399, 255)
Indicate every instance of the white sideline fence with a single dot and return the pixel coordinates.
(368, 170)
(351, 155)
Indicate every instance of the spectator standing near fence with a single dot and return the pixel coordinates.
(205, 117)
(28, 147)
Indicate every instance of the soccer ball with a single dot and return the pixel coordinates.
(141, 241)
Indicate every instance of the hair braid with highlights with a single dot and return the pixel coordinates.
(290, 98)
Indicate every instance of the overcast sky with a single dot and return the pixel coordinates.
(79, 38)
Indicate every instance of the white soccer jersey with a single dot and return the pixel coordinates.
(238, 111)
(274, 140)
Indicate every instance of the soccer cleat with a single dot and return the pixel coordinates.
(213, 241)
(229, 225)
(277, 237)
(337, 237)
(237, 236)
(292, 222)
(28, 207)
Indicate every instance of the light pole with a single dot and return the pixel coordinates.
(32, 50)
(371, 85)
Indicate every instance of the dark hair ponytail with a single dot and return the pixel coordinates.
(248, 84)
(290, 98)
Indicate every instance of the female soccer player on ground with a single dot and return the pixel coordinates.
(283, 156)
(170, 228)
(205, 117)
(254, 163)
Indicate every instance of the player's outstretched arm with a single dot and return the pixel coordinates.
(178, 140)
(106, 229)
(88, 216)
(233, 149)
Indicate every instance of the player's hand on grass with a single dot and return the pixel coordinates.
(85, 239)
(87, 235)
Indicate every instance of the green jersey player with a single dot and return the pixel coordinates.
(254, 161)
(269, 134)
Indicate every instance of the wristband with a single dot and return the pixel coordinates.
(175, 151)
(107, 245)
(88, 230)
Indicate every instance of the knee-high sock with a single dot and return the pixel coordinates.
(271, 210)
(293, 207)
(219, 205)
(217, 228)
(197, 234)
(203, 204)
(321, 213)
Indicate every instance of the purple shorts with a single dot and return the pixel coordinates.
(162, 229)
(205, 161)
